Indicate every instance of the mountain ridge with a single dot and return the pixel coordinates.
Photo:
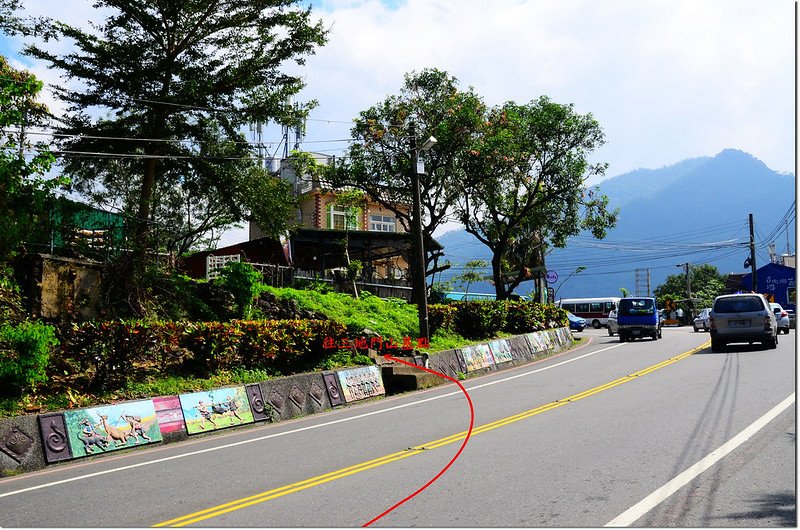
(674, 213)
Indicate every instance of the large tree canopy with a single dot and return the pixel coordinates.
(379, 161)
(525, 188)
(705, 281)
(166, 86)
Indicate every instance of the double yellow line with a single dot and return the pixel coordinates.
(411, 451)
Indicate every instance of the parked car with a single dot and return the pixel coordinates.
(782, 316)
(701, 320)
(745, 317)
(575, 322)
(638, 317)
(792, 318)
(613, 326)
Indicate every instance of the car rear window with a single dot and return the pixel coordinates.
(633, 306)
(738, 304)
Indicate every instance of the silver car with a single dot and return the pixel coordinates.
(782, 316)
(743, 317)
(701, 320)
(612, 324)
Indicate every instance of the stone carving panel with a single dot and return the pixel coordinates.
(16, 443)
(54, 437)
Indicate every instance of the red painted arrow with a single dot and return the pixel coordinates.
(450, 463)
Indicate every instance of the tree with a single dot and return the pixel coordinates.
(525, 190)
(24, 186)
(471, 275)
(352, 201)
(168, 86)
(379, 161)
(706, 282)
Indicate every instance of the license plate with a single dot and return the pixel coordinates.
(635, 332)
(740, 323)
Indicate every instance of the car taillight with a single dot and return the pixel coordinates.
(784, 314)
(767, 326)
(711, 323)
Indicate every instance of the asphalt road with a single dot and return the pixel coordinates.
(639, 434)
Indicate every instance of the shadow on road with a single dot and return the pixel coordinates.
(779, 509)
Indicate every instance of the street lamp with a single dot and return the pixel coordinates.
(419, 258)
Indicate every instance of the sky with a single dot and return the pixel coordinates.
(666, 79)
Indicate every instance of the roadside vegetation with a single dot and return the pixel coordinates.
(69, 364)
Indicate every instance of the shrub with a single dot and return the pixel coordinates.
(110, 352)
(115, 354)
(479, 320)
(24, 355)
(244, 283)
(523, 317)
(440, 316)
(214, 346)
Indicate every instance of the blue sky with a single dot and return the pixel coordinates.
(666, 79)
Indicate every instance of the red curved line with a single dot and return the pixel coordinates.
(463, 444)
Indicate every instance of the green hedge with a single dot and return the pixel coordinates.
(113, 353)
(484, 319)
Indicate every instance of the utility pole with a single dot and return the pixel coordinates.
(419, 243)
(685, 267)
(753, 255)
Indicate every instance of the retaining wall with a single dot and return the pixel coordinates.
(33, 442)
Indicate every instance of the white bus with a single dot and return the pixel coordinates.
(594, 310)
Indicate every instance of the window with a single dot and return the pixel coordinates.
(343, 218)
(381, 223)
(636, 306)
(596, 307)
(568, 307)
(582, 308)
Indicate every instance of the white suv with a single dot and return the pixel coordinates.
(745, 317)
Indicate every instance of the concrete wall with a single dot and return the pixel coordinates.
(28, 443)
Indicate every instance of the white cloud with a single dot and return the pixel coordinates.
(666, 79)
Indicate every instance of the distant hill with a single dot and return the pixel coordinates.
(668, 216)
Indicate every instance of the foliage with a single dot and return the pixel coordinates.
(438, 292)
(162, 293)
(244, 282)
(526, 317)
(23, 186)
(624, 292)
(25, 350)
(178, 80)
(478, 320)
(525, 187)
(379, 160)
(440, 316)
(112, 355)
(470, 274)
(11, 308)
(706, 283)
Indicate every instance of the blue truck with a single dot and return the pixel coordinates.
(637, 318)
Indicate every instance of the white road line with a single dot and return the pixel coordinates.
(293, 431)
(632, 514)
